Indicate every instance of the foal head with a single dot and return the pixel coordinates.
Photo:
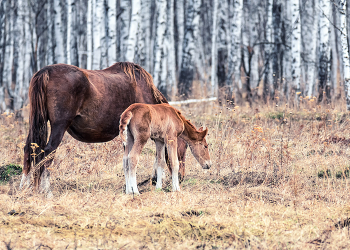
(199, 147)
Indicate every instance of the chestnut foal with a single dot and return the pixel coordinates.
(163, 124)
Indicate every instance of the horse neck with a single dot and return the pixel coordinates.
(190, 134)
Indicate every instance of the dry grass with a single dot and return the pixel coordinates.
(264, 191)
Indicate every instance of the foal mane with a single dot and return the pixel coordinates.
(188, 125)
(129, 69)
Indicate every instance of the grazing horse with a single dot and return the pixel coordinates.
(83, 102)
(163, 124)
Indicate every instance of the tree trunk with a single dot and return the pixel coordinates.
(89, 32)
(99, 35)
(345, 52)
(59, 51)
(159, 47)
(277, 57)
(124, 23)
(133, 31)
(324, 51)
(268, 87)
(171, 58)
(144, 47)
(112, 32)
(180, 29)
(234, 58)
(296, 30)
(189, 47)
(214, 87)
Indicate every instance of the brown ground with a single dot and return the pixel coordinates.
(268, 188)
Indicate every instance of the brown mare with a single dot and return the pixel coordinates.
(163, 124)
(85, 103)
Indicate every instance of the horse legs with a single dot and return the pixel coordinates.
(159, 163)
(181, 154)
(126, 167)
(57, 132)
(133, 159)
(174, 164)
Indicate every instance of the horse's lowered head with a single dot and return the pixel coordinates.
(199, 147)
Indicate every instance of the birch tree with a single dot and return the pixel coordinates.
(222, 47)
(268, 89)
(89, 33)
(296, 32)
(59, 51)
(134, 30)
(345, 51)
(159, 46)
(324, 50)
(144, 40)
(189, 47)
(277, 56)
(99, 35)
(171, 58)
(180, 28)
(124, 24)
(309, 35)
(213, 90)
(234, 58)
(72, 46)
(112, 32)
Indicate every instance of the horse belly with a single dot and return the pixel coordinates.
(87, 131)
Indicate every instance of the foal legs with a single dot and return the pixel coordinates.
(174, 164)
(130, 163)
(159, 163)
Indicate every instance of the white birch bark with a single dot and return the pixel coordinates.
(268, 88)
(18, 100)
(159, 47)
(49, 54)
(59, 49)
(296, 31)
(171, 65)
(89, 21)
(8, 57)
(180, 25)
(213, 90)
(309, 35)
(69, 30)
(345, 51)
(286, 78)
(254, 37)
(133, 31)
(189, 47)
(145, 38)
(124, 27)
(324, 48)
(98, 37)
(234, 57)
(112, 32)
(27, 56)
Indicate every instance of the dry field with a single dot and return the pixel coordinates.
(280, 180)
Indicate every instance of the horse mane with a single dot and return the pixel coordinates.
(129, 69)
(187, 123)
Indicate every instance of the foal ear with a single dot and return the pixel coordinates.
(201, 129)
(203, 132)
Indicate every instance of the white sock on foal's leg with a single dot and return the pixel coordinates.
(159, 177)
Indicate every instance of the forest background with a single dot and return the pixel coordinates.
(243, 50)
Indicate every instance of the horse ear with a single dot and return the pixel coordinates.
(204, 132)
(200, 129)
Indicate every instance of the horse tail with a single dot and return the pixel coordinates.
(38, 115)
(129, 69)
(123, 125)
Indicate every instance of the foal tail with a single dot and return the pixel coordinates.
(38, 116)
(123, 125)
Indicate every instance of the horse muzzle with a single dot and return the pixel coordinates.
(206, 165)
